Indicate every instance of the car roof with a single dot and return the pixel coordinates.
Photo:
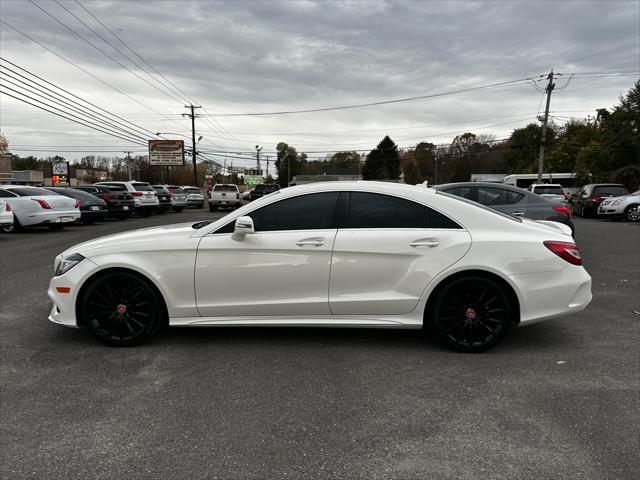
(481, 184)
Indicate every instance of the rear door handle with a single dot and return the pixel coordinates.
(425, 242)
(314, 242)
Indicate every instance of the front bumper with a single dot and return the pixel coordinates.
(63, 310)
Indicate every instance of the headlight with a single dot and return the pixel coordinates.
(68, 263)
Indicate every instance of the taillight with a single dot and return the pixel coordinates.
(237, 196)
(136, 194)
(42, 203)
(77, 204)
(106, 197)
(565, 250)
(595, 198)
(563, 210)
(7, 207)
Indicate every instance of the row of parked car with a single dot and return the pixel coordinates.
(54, 207)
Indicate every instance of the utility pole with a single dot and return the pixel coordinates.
(129, 164)
(193, 115)
(288, 170)
(267, 159)
(543, 137)
(258, 149)
(435, 180)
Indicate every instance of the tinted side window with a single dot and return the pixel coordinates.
(492, 196)
(373, 210)
(5, 194)
(464, 192)
(514, 197)
(306, 212)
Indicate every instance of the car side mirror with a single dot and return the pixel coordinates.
(243, 226)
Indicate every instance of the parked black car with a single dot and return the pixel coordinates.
(119, 202)
(510, 200)
(262, 190)
(164, 198)
(92, 209)
(589, 198)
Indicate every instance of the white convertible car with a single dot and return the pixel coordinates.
(348, 254)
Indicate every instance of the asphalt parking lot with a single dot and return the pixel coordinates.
(558, 399)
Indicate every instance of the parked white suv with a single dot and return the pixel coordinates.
(224, 195)
(145, 198)
(550, 191)
(33, 206)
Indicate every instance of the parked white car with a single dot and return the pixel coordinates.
(625, 206)
(224, 195)
(145, 198)
(551, 191)
(351, 254)
(6, 215)
(33, 206)
(195, 198)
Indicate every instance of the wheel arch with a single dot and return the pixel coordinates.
(504, 283)
(105, 271)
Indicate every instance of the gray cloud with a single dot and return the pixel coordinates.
(268, 55)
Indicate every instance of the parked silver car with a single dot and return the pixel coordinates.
(625, 206)
(195, 198)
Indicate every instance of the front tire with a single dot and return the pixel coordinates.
(122, 309)
(471, 314)
(632, 213)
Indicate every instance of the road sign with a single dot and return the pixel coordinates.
(253, 180)
(60, 168)
(166, 152)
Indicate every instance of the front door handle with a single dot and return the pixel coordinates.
(314, 242)
(425, 242)
(518, 214)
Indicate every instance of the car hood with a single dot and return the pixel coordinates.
(132, 236)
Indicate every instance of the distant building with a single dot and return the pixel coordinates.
(25, 177)
(6, 176)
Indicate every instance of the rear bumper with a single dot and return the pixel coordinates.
(552, 294)
(48, 217)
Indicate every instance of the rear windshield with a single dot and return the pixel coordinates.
(272, 186)
(192, 190)
(160, 189)
(225, 188)
(544, 190)
(142, 187)
(177, 190)
(29, 191)
(116, 188)
(612, 191)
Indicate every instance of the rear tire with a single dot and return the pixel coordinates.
(121, 309)
(471, 314)
(632, 213)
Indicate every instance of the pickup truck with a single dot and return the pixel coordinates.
(224, 195)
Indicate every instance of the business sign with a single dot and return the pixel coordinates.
(60, 168)
(166, 152)
(253, 180)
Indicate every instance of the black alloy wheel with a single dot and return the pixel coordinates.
(121, 309)
(471, 314)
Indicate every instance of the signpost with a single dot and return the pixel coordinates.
(166, 152)
(60, 173)
(253, 180)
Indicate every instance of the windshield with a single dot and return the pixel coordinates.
(29, 191)
(142, 187)
(225, 188)
(199, 225)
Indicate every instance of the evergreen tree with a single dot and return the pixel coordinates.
(383, 162)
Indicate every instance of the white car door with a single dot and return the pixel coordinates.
(390, 251)
(281, 269)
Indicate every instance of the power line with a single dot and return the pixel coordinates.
(86, 71)
(384, 102)
(78, 107)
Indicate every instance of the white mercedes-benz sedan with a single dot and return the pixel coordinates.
(347, 254)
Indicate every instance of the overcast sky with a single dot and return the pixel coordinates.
(266, 56)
